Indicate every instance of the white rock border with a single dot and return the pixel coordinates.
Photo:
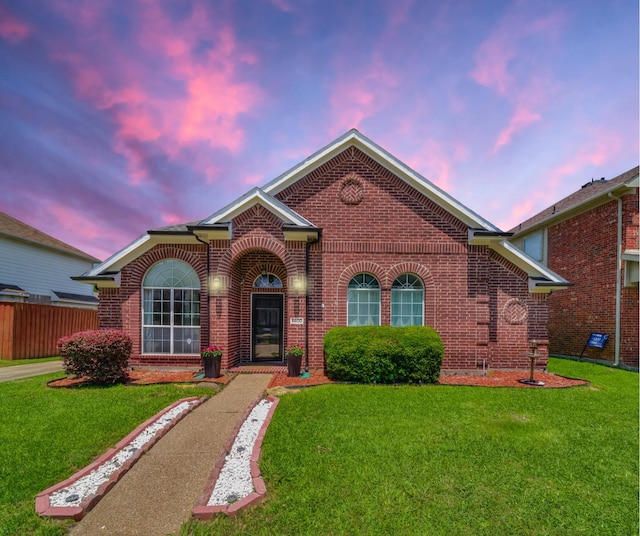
(75, 496)
(236, 481)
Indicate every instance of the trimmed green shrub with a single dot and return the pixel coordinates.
(383, 354)
(101, 356)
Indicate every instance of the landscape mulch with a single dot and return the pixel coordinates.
(495, 378)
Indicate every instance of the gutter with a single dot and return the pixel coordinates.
(307, 248)
(616, 361)
(208, 244)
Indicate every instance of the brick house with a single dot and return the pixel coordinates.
(591, 239)
(350, 236)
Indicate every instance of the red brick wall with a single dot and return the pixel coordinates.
(583, 251)
(371, 222)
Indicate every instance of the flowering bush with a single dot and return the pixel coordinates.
(211, 351)
(294, 350)
(101, 356)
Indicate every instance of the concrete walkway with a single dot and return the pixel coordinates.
(156, 496)
(17, 372)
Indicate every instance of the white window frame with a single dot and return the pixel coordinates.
(175, 280)
(364, 286)
(399, 288)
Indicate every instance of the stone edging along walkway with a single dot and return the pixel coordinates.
(205, 511)
(47, 501)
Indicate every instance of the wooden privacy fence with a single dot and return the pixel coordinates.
(30, 330)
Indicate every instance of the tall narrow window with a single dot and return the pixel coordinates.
(407, 301)
(171, 309)
(363, 301)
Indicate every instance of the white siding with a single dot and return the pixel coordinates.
(40, 270)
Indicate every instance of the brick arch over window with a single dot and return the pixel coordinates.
(347, 274)
(163, 253)
(427, 280)
(253, 243)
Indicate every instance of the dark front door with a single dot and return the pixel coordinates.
(266, 337)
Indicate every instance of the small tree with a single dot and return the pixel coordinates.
(101, 356)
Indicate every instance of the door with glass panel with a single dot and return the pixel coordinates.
(267, 324)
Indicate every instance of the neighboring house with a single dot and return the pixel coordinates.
(591, 239)
(350, 236)
(37, 268)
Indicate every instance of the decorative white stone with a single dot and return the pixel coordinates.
(87, 486)
(234, 481)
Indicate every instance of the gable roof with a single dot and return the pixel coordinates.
(589, 195)
(13, 228)
(353, 138)
(296, 227)
(256, 196)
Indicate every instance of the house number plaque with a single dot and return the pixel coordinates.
(297, 321)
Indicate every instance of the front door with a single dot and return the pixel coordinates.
(267, 314)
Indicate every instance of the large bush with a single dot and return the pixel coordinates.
(101, 356)
(383, 354)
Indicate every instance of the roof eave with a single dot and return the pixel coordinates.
(533, 268)
(601, 198)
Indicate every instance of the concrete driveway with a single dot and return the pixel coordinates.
(26, 371)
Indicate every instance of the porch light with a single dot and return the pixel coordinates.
(217, 284)
(298, 285)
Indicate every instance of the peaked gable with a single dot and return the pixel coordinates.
(354, 138)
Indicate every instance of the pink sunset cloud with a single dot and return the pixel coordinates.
(520, 119)
(434, 164)
(206, 111)
(600, 151)
(12, 29)
(501, 65)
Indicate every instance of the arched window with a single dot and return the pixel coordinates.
(363, 301)
(267, 281)
(171, 309)
(407, 301)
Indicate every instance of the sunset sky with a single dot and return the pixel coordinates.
(121, 116)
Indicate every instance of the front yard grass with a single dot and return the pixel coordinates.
(351, 459)
(47, 434)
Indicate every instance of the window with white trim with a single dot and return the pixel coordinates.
(363, 301)
(407, 301)
(171, 309)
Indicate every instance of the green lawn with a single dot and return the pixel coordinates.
(14, 362)
(347, 459)
(47, 434)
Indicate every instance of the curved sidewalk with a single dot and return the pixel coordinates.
(157, 494)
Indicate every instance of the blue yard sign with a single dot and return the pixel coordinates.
(596, 340)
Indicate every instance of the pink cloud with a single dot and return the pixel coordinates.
(432, 163)
(506, 44)
(603, 149)
(499, 61)
(12, 29)
(207, 99)
(520, 119)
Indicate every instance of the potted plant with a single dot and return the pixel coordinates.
(294, 355)
(211, 357)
